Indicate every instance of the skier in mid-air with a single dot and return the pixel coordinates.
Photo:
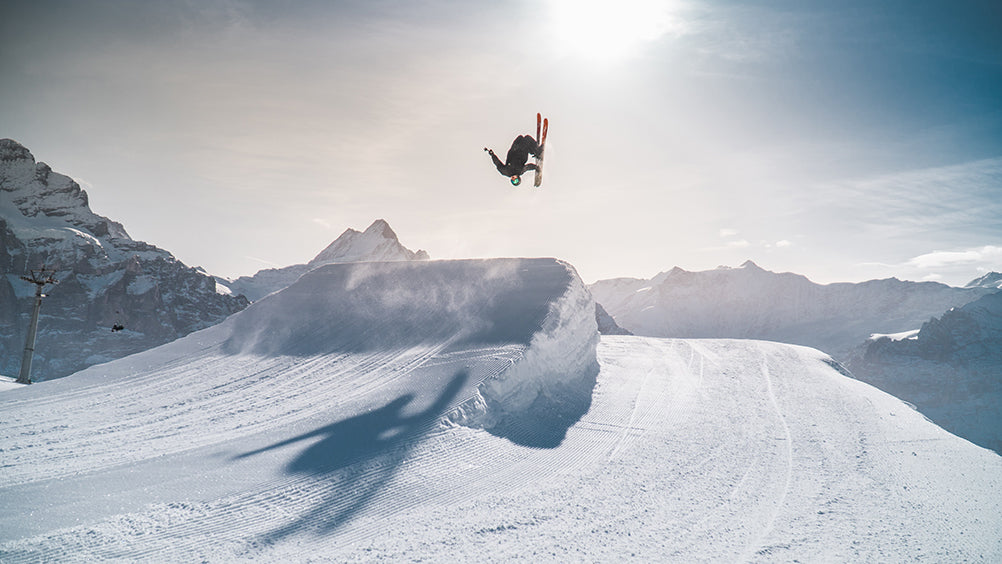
(515, 165)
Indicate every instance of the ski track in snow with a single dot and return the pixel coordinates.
(788, 475)
(692, 450)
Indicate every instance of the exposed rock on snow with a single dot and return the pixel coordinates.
(378, 243)
(105, 277)
(951, 370)
(749, 302)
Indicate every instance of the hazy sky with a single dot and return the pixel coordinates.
(842, 140)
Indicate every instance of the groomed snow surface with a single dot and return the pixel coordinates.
(431, 411)
(9, 383)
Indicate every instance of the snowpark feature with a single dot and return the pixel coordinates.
(371, 412)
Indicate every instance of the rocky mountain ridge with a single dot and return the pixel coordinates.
(105, 277)
(951, 369)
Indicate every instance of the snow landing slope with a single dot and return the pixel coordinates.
(320, 424)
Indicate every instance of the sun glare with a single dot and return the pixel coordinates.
(605, 30)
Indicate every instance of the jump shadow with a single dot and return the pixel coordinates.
(358, 456)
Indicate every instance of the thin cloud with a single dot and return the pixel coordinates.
(919, 204)
(263, 261)
(986, 255)
(746, 244)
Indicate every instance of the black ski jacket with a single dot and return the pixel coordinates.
(514, 164)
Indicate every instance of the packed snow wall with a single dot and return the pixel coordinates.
(537, 311)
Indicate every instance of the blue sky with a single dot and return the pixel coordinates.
(842, 140)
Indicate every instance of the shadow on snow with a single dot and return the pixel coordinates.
(359, 456)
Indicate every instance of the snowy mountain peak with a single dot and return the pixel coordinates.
(105, 276)
(382, 229)
(746, 266)
(990, 280)
(377, 243)
(30, 191)
(662, 276)
(11, 150)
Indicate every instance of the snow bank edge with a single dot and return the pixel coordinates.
(541, 395)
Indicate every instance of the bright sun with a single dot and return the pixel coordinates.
(609, 30)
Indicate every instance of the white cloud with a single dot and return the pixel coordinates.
(724, 233)
(940, 259)
(783, 243)
(944, 200)
(739, 244)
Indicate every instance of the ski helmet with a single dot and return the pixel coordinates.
(516, 180)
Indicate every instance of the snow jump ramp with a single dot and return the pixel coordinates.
(521, 330)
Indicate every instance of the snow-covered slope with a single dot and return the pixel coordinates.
(343, 418)
(991, 280)
(378, 243)
(9, 383)
(749, 302)
(951, 370)
(105, 277)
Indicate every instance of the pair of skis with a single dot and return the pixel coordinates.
(541, 126)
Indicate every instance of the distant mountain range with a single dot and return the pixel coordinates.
(377, 243)
(105, 277)
(749, 302)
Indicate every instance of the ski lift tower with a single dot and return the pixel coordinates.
(40, 278)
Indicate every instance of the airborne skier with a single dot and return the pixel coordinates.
(515, 165)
